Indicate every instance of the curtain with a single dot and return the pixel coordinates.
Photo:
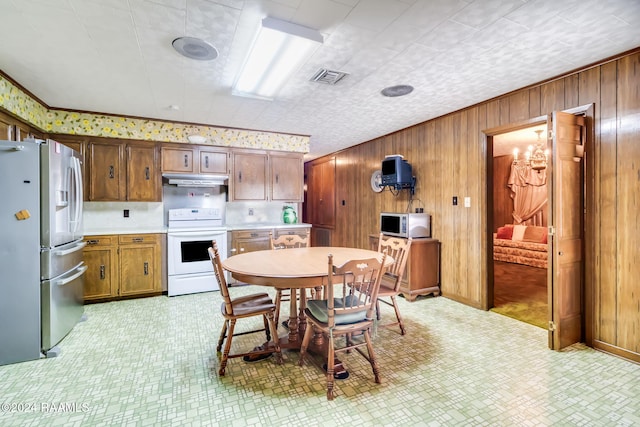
(528, 189)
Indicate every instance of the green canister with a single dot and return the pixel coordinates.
(289, 215)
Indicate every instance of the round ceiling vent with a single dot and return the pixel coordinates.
(194, 48)
(399, 90)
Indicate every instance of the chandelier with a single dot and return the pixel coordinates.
(534, 157)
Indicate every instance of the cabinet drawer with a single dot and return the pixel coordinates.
(100, 240)
(138, 238)
(251, 234)
(302, 232)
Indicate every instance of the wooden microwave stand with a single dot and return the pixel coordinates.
(422, 275)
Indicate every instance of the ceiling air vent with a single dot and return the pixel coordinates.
(329, 77)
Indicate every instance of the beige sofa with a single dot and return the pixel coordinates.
(521, 244)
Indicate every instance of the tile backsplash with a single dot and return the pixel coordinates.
(110, 215)
(238, 213)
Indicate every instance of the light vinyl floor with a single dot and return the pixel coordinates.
(153, 362)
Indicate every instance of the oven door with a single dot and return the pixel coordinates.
(187, 251)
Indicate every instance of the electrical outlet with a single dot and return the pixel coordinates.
(125, 213)
(250, 211)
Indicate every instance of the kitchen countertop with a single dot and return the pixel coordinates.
(229, 227)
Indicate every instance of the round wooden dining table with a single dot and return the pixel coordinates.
(296, 269)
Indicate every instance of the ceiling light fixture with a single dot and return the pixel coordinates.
(278, 50)
(194, 48)
(398, 90)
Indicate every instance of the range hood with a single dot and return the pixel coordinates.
(195, 180)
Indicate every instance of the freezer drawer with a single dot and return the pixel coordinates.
(56, 261)
(62, 304)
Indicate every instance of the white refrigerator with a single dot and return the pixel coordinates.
(41, 263)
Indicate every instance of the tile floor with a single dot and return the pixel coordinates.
(152, 362)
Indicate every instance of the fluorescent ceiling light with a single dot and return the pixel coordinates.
(278, 50)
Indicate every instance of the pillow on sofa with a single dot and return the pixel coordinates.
(504, 233)
(535, 234)
(518, 232)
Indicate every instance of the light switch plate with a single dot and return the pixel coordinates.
(467, 202)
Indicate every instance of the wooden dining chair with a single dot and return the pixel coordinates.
(348, 310)
(398, 249)
(259, 304)
(286, 241)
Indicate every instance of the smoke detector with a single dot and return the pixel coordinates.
(328, 76)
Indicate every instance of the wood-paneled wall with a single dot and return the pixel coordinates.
(449, 158)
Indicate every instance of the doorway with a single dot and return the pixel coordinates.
(569, 305)
(519, 259)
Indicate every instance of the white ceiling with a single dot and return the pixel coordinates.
(115, 56)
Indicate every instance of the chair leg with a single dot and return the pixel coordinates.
(222, 335)
(227, 348)
(277, 303)
(267, 328)
(372, 357)
(274, 333)
(398, 315)
(378, 309)
(305, 343)
(330, 366)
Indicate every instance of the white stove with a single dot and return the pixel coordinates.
(190, 233)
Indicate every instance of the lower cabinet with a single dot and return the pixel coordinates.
(122, 265)
(422, 274)
(248, 241)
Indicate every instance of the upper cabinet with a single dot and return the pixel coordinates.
(123, 172)
(269, 176)
(249, 176)
(286, 177)
(195, 159)
(14, 130)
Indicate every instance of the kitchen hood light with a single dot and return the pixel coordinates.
(195, 180)
(278, 50)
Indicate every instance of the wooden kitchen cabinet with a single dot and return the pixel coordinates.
(286, 177)
(101, 258)
(143, 177)
(122, 172)
(14, 130)
(213, 161)
(122, 266)
(195, 159)
(139, 257)
(249, 240)
(249, 176)
(267, 176)
(177, 159)
(422, 273)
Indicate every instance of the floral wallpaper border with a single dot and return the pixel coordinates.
(16, 101)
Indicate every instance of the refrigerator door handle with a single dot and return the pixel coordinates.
(75, 248)
(77, 196)
(80, 272)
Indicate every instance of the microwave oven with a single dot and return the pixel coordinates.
(405, 225)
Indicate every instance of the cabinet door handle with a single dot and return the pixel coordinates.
(112, 172)
(234, 250)
(146, 268)
(254, 234)
(240, 176)
(138, 239)
(102, 275)
(147, 173)
(186, 161)
(277, 177)
(206, 162)
(93, 242)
